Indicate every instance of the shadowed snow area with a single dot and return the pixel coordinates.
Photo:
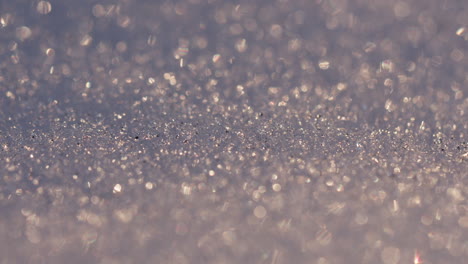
(209, 131)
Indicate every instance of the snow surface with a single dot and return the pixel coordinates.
(209, 131)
